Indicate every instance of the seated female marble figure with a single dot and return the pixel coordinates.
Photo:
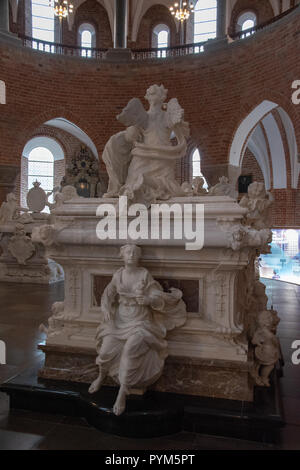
(137, 314)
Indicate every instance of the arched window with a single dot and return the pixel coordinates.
(87, 39)
(41, 168)
(42, 22)
(161, 38)
(245, 21)
(43, 159)
(196, 167)
(248, 24)
(205, 20)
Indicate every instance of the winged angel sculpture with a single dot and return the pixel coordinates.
(141, 160)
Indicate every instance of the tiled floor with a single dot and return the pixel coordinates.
(24, 308)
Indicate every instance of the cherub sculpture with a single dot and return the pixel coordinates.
(152, 158)
(267, 348)
(137, 314)
(258, 203)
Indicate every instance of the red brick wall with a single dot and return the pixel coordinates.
(262, 9)
(217, 89)
(284, 210)
(59, 171)
(69, 143)
(90, 12)
(158, 14)
(251, 167)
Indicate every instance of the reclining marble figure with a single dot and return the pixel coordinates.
(137, 314)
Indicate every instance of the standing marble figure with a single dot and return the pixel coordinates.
(137, 314)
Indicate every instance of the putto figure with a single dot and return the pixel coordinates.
(147, 149)
(267, 347)
(258, 202)
(137, 314)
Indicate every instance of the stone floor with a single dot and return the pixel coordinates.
(24, 308)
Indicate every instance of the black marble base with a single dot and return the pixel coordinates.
(154, 414)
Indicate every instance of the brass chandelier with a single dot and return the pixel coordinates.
(61, 8)
(182, 10)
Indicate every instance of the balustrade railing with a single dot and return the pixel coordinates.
(56, 48)
(96, 53)
(163, 52)
(140, 54)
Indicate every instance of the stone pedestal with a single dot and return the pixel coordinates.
(210, 355)
(214, 378)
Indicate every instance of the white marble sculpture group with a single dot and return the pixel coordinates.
(140, 323)
(141, 160)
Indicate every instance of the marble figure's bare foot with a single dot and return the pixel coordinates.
(95, 386)
(120, 403)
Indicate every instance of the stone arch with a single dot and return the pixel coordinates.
(60, 113)
(259, 131)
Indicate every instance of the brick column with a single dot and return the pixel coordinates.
(221, 19)
(120, 52)
(120, 24)
(5, 34)
(4, 15)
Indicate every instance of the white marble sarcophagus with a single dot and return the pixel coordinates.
(211, 353)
